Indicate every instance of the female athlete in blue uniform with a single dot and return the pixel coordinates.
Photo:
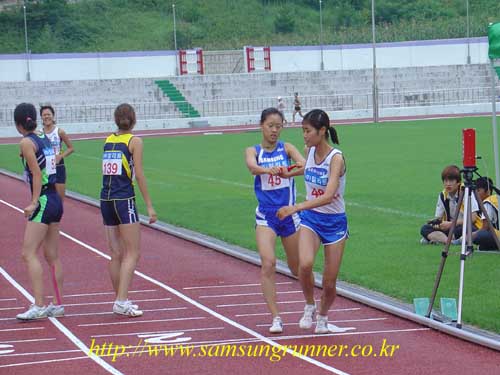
(121, 162)
(44, 212)
(57, 137)
(323, 218)
(274, 188)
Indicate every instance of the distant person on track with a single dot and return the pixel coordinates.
(282, 108)
(483, 237)
(274, 188)
(44, 213)
(297, 107)
(57, 137)
(121, 162)
(436, 230)
(323, 218)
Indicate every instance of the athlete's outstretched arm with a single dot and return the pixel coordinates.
(336, 171)
(296, 156)
(136, 148)
(254, 168)
(28, 150)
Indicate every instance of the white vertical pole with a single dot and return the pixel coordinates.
(175, 28)
(375, 88)
(468, 33)
(494, 124)
(28, 78)
(322, 66)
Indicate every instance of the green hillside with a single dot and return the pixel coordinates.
(122, 25)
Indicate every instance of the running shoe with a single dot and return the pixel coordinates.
(55, 311)
(277, 326)
(34, 312)
(307, 319)
(126, 308)
(321, 324)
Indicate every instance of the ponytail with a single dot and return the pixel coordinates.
(333, 135)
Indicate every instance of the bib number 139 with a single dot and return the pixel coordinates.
(112, 163)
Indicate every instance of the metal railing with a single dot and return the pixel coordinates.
(253, 106)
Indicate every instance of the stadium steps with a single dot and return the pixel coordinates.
(177, 98)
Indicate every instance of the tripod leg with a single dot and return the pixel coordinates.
(466, 246)
(488, 220)
(444, 254)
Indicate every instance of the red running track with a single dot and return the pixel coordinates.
(193, 295)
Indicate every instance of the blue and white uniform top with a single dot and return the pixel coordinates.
(316, 177)
(274, 191)
(55, 141)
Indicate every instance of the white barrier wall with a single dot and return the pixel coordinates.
(110, 65)
(80, 66)
(389, 55)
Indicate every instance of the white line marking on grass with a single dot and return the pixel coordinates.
(231, 285)
(385, 210)
(160, 332)
(75, 340)
(111, 312)
(248, 294)
(133, 321)
(296, 312)
(46, 361)
(194, 303)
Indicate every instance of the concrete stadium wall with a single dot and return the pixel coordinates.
(111, 65)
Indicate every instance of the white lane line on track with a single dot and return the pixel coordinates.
(11, 308)
(231, 286)
(160, 332)
(111, 312)
(41, 362)
(27, 340)
(295, 312)
(8, 299)
(187, 299)
(75, 340)
(21, 329)
(105, 293)
(260, 303)
(333, 321)
(111, 302)
(248, 294)
(133, 321)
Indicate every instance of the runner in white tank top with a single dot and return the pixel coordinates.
(57, 137)
(322, 215)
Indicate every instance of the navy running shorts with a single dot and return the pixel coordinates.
(119, 211)
(266, 216)
(50, 208)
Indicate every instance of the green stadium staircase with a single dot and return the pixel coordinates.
(177, 98)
